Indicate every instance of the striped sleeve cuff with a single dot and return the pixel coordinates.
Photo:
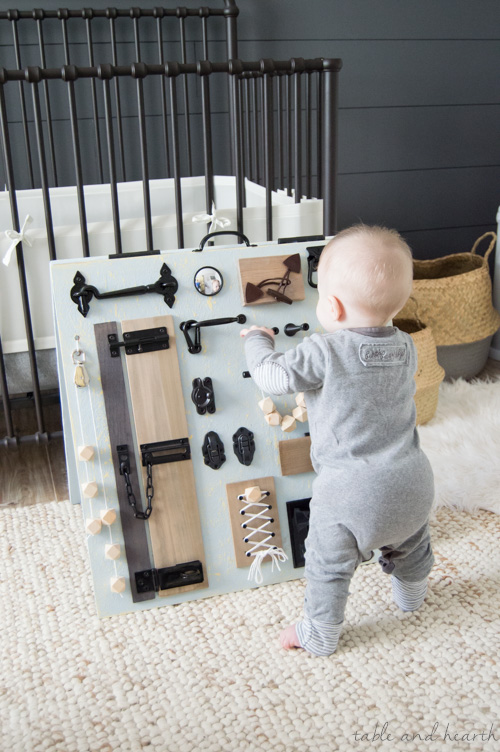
(408, 596)
(318, 637)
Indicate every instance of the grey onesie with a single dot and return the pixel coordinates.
(374, 486)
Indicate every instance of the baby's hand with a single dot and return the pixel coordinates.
(244, 332)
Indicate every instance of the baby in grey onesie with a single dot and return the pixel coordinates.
(374, 486)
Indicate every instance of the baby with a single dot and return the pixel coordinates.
(374, 486)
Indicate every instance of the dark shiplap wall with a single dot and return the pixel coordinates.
(419, 107)
(419, 104)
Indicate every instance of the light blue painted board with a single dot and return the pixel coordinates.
(222, 358)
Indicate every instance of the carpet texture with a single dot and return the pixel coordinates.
(210, 675)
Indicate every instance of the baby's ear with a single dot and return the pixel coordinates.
(336, 307)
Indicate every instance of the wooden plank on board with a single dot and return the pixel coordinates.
(295, 456)
(159, 415)
(120, 432)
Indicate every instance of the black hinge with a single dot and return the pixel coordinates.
(180, 575)
(140, 341)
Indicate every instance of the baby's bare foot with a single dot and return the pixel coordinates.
(289, 639)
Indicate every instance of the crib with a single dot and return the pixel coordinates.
(119, 158)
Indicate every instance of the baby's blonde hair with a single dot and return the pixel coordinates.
(374, 264)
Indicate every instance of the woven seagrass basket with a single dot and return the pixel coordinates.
(453, 294)
(429, 373)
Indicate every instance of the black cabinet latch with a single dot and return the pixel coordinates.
(312, 262)
(213, 450)
(244, 445)
(203, 396)
(81, 294)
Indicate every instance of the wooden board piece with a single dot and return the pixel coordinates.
(233, 490)
(295, 456)
(120, 432)
(159, 415)
(255, 270)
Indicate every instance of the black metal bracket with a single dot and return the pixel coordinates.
(203, 396)
(124, 460)
(140, 341)
(81, 294)
(213, 450)
(180, 575)
(298, 523)
(244, 445)
(185, 326)
(161, 452)
(312, 263)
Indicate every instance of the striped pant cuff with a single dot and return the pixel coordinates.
(318, 637)
(408, 596)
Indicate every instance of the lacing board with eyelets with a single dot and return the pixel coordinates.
(255, 525)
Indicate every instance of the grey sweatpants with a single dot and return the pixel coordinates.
(354, 512)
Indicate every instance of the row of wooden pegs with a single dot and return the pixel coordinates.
(93, 525)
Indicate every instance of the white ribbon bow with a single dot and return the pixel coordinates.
(213, 218)
(16, 238)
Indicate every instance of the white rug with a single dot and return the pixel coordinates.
(210, 675)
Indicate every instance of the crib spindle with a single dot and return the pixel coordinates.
(34, 78)
(319, 134)
(105, 73)
(88, 15)
(163, 92)
(329, 115)
(308, 133)
(255, 132)
(14, 15)
(175, 148)
(235, 68)
(181, 12)
(7, 411)
(288, 107)
(69, 73)
(39, 15)
(267, 116)
(279, 128)
(297, 130)
(111, 13)
(139, 72)
(204, 70)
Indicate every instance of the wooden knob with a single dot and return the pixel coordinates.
(267, 405)
(112, 550)
(90, 489)
(108, 516)
(86, 453)
(253, 493)
(93, 526)
(118, 584)
(300, 399)
(300, 413)
(273, 419)
(288, 423)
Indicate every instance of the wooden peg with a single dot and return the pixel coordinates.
(300, 399)
(300, 413)
(93, 526)
(253, 493)
(267, 405)
(85, 453)
(108, 516)
(90, 489)
(112, 550)
(117, 584)
(288, 423)
(273, 419)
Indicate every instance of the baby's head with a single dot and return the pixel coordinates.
(365, 277)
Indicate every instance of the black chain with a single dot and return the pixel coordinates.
(131, 496)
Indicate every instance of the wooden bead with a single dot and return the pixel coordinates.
(108, 516)
(112, 550)
(266, 405)
(300, 413)
(86, 453)
(93, 526)
(273, 419)
(288, 423)
(253, 493)
(300, 399)
(90, 489)
(117, 584)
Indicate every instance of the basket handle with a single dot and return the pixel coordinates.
(416, 317)
(491, 246)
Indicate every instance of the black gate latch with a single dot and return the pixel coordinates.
(244, 445)
(139, 341)
(82, 294)
(180, 575)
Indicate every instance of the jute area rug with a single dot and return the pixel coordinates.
(210, 675)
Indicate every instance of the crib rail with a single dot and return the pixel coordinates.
(278, 118)
(52, 38)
